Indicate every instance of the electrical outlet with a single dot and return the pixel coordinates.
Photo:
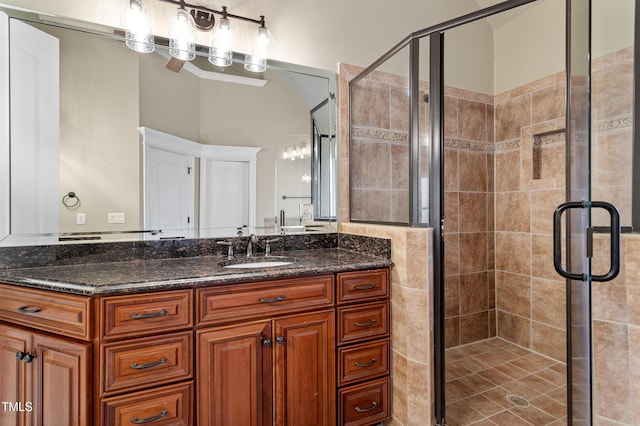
(81, 219)
(115, 218)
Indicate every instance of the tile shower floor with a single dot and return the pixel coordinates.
(494, 382)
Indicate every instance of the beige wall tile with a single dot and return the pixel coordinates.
(474, 289)
(473, 252)
(548, 302)
(543, 204)
(549, 341)
(508, 171)
(473, 125)
(472, 171)
(514, 328)
(474, 327)
(513, 252)
(472, 211)
(512, 116)
(373, 99)
(548, 103)
(513, 293)
(632, 276)
(612, 397)
(513, 211)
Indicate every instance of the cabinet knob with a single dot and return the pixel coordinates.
(266, 342)
(280, 340)
(28, 358)
(20, 355)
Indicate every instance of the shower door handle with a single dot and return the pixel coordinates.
(614, 269)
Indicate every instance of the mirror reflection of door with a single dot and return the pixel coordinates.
(168, 200)
(35, 106)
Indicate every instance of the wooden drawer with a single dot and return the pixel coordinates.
(253, 300)
(168, 405)
(140, 363)
(362, 362)
(362, 322)
(364, 404)
(362, 286)
(58, 313)
(146, 313)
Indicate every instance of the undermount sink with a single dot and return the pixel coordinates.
(262, 262)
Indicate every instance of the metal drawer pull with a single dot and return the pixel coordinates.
(151, 364)
(366, 324)
(137, 421)
(272, 300)
(24, 310)
(365, 287)
(364, 410)
(366, 364)
(25, 357)
(151, 315)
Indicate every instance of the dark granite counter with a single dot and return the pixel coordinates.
(138, 275)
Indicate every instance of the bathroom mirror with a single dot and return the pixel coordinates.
(108, 94)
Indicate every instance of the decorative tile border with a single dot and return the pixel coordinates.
(508, 145)
(616, 123)
(379, 134)
(468, 145)
(549, 139)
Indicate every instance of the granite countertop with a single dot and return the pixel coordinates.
(164, 274)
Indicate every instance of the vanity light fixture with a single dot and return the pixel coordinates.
(262, 44)
(137, 29)
(183, 36)
(297, 152)
(221, 50)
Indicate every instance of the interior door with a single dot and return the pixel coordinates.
(224, 196)
(35, 130)
(168, 188)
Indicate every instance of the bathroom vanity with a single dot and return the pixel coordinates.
(188, 341)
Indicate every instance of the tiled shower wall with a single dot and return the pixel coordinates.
(469, 217)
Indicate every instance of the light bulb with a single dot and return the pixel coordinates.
(182, 36)
(262, 43)
(220, 52)
(137, 32)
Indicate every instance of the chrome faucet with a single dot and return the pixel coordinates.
(252, 240)
(229, 244)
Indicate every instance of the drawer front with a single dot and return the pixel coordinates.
(168, 405)
(362, 362)
(364, 404)
(363, 322)
(241, 301)
(362, 286)
(145, 362)
(148, 313)
(46, 310)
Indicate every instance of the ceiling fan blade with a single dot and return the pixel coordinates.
(174, 65)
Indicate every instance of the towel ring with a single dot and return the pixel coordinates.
(68, 200)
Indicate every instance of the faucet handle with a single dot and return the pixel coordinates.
(267, 249)
(230, 250)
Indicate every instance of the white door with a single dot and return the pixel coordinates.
(35, 129)
(224, 197)
(168, 188)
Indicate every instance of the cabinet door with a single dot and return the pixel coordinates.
(305, 369)
(61, 382)
(234, 375)
(12, 373)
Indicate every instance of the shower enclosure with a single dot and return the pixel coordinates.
(481, 128)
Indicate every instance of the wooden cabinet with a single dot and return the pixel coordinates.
(363, 347)
(297, 351)
(276, 371)
(49, 377)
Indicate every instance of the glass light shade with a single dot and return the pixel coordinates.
(137, 30)
(220, 52)
(262, 43)
(182, 36)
